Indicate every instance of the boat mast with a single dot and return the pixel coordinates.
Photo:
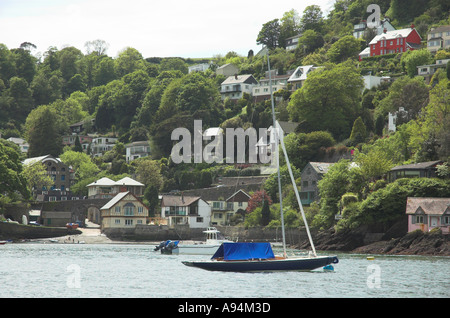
(275, 131)
(297, 195)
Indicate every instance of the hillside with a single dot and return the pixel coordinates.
(136, 98)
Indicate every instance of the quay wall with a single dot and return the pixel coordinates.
(155, 233)
(13, 231)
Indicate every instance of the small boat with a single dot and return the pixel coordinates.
(213, 240)
(72, 226)
(258, 257)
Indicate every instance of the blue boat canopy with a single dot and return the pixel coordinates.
(244, 251)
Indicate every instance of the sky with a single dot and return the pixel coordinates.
(164, 28)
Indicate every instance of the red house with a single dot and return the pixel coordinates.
(395, 41)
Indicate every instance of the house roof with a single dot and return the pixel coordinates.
(429, 206)
(108, 182)
(238, 79)
(321, 167)
(236, 193)
(301, 73)
(102, 182)
(222, 192)
(418, 166)
(137, 143)
(390, 35)
(178, 200)
(129, 182)
(226, 65)
(114, 200)
(442, 28)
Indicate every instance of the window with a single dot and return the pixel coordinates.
(117, 221)
(445, 220)
(129, 209)
(63, 177)
(392, 42)
(419, 219)
(128, 222)
(139, 222)
(140, 209)
(305, 183)
(117, 209)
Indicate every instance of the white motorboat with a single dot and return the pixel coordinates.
(213, 241)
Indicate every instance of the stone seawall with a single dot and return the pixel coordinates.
(155, 233)
(13, 231)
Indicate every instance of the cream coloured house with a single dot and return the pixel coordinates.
(125, 210)
(105, 188)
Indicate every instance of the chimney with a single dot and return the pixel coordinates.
(235, 76)
(412, 25)
(384, 30)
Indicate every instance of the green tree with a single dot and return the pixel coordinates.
(269, 34)
(310, 41)
(343, 49)
(11, 179)
(36, 176)
(148, 172)
(312, 18)
(411, 94)
(329, 100)
(81, 163)
(340, 179)
(373, 164)
(128, 61)
(265, 213)
(359, 132)
(412, 59)
(44, 128)
(174, 64)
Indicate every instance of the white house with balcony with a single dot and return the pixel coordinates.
(261, 91)
(137, 149)
(100, 145)
(235, 86)
(427, 71)
(188, 210)
(292, 42)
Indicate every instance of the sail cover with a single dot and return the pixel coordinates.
(244, 251)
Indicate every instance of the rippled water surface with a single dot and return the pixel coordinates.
(122, 270)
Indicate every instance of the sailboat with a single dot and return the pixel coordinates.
(259, 257)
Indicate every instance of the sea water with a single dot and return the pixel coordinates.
(127, 270)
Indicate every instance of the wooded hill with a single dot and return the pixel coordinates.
(146, 98)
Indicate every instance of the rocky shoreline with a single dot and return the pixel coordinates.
(433, 243)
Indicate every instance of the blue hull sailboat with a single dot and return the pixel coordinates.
(259, 257)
